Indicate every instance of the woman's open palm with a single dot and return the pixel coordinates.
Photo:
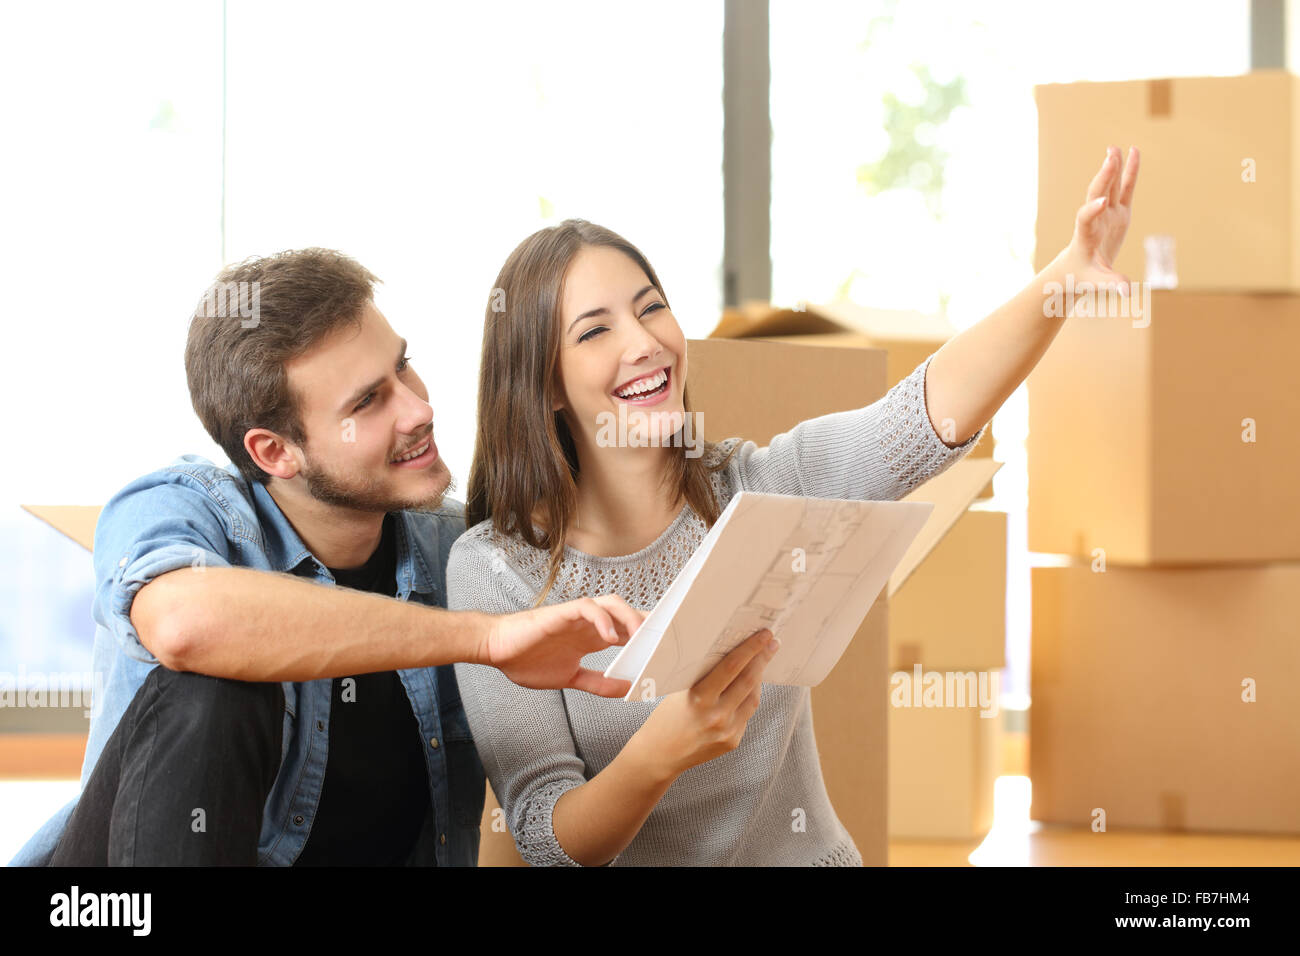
(1103, 220)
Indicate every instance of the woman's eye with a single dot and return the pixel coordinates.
(590, 333)
(404, 364)
(653, 307)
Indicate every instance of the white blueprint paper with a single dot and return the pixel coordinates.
(808, 569)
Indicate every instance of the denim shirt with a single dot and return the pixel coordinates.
(196, 514)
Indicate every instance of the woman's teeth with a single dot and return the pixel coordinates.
(645, 386)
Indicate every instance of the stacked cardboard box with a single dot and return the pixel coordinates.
(1165, 697)
(949, 620)
(1218, 173)
(1161, 462)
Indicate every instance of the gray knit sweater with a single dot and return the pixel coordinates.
(737, 809)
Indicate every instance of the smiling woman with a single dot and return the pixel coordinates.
(585, 318)
(706, 776)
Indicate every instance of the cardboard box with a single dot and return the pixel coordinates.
(943, 763)
(1217, 173)
(73, 521)
(1138, 679)
(907, 338)
(1136, 434)
(952, 614)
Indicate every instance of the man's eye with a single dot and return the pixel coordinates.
(590, 333)
(364, 402)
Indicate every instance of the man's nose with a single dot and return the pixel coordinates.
(417, 414)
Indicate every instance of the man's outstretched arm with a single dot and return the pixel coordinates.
(255, 625)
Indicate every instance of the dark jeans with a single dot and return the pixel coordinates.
(183, 779)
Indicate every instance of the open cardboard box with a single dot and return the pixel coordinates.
(730, 382)
(907, 338)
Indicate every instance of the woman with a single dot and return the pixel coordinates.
(557, 510)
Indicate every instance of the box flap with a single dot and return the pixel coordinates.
(888, 323)
(951, 493)
(760, 319)
(75, 521)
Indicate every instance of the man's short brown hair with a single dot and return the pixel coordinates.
(235, 355)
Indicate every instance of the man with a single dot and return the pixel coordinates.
(292, 723)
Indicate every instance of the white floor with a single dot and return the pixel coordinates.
(25, 805)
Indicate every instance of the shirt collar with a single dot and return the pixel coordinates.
(285, 551)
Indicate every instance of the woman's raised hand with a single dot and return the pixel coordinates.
(1102, 221)
(692, 726)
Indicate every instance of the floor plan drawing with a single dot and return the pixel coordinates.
(807, 568)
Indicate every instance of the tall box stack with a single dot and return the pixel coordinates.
(1162, 464)
(949, 620)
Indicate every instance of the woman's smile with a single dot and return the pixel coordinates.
(649, 389)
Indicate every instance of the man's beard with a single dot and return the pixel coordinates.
(368, 495)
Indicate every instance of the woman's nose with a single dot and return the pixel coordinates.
(641, 345)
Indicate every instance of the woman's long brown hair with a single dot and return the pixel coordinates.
(525, 461)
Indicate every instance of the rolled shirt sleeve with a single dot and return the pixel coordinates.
(154, 525)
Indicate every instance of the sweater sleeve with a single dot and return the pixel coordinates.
(522, 735)
(879, 453)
